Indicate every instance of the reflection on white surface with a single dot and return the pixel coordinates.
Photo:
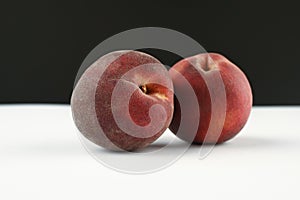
(41, 157)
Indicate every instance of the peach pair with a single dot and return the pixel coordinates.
(125, 100)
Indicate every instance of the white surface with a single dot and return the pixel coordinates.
(41, 157)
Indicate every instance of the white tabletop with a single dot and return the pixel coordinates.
(41, 157)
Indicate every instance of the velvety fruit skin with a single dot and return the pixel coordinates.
(198, 71)
(95, 108)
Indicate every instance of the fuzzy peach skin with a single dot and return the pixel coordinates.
(124, 101)
(201, 70)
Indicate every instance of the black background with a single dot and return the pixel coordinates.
(44, 42)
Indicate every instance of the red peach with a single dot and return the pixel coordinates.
(124, 101)
(223, 93)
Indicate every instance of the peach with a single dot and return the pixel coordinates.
(223, 94)
(123, 101)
